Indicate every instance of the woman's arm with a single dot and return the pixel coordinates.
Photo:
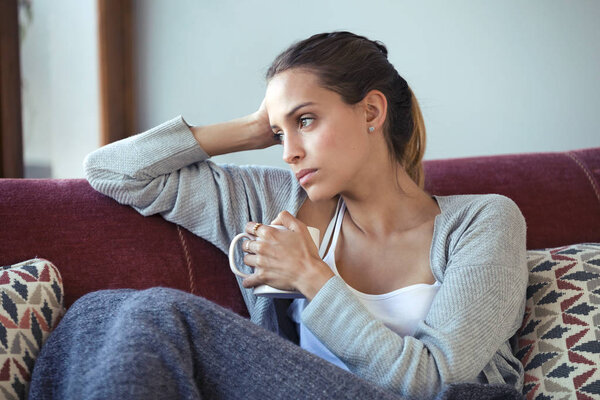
(247, 133)
(166, 171)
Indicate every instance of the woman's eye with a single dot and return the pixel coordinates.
(306, 121)
(278, 136)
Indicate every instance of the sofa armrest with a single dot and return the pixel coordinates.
(99, 244)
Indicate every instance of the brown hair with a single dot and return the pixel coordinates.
(352, 65)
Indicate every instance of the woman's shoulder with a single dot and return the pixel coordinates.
(477, 205)
(478, 230)
(477, 218)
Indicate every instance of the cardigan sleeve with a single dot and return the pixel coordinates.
(478, 308)
(165, 171)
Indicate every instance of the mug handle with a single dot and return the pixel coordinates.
(232, 265)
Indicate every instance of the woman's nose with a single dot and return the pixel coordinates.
(293, 150)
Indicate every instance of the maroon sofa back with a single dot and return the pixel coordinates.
(558, 193)
(98, 244)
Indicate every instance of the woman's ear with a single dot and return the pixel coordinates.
(376, 109)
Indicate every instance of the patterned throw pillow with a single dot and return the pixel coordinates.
(559, 341)
(31, 304)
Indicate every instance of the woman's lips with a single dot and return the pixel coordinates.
(305, 175)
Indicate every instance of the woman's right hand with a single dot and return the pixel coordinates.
(264, 134)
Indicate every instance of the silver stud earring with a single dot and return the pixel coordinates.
(371, 128)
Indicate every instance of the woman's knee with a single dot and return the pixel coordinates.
(152, 310)
(98, 301)
(126, 304)
(161, 299)
(161, 296)
(146, 298)
(162, 306)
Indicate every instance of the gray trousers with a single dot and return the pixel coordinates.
(167, 344)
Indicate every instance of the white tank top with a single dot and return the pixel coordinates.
(400, 310)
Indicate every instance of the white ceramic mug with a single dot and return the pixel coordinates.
(266, 290)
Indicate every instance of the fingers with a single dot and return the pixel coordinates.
(294, 224)
(252, 260)
(252, 281)
(252, 246)
(257, 229)
(258, 259)
(253, 227)
(261, 231)
(246, 246)
(258, 275)
(272, 251)
(284, 219)
(289, 221)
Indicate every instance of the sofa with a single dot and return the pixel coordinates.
(97, 243)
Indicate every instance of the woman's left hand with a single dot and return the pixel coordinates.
(285, 259)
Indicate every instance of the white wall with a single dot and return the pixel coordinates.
(59, 70)
(492, 77)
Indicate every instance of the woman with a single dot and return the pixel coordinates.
(410, 293)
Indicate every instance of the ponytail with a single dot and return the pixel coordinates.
(415, 148)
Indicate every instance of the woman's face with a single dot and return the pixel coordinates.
(325, 140)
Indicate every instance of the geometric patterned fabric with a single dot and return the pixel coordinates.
(31, 305)
(559, 341)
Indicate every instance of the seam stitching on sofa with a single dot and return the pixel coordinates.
(188, 260)
(587, 173)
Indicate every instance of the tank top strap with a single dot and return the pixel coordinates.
(339, 217)
(330, 229)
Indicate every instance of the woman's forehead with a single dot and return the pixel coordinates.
(290, 88)
(293, 82)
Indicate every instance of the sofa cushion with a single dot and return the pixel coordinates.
(31, 304)
(558, 343)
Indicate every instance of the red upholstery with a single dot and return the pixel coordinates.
(558, 193)
(97, 243)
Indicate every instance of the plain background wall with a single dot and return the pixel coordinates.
(59, 73)
(491, 77)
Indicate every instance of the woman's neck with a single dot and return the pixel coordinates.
(389, 203)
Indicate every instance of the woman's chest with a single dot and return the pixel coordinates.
(377, 267)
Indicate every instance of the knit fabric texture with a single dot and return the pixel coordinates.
(163, 343)
(477, 254)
